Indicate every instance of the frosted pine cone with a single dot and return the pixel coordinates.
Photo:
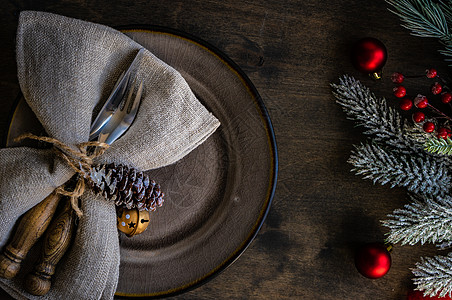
(126, 186)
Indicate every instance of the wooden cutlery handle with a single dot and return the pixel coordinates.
(56, 241)
(30, 228)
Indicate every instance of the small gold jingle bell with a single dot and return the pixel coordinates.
(132, 221)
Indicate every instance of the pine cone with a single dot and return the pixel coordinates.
(126, 186)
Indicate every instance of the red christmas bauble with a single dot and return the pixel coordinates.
(418, 295)
(369, 55)
(373, 260)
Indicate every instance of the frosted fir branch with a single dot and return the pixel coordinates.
(434, 275)
(418, 134)
(418, 173)
(444, 245)
(382, 122)
(439, 146)
(425, 221)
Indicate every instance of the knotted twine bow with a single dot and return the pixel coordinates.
(80, 160)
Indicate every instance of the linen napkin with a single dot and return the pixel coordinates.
(66, 68)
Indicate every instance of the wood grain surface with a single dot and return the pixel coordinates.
(291, 50)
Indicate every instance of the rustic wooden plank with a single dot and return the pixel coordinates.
(291, 50)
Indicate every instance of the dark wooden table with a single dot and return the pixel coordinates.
(291, 50)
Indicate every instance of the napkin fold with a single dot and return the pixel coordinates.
(66, 68)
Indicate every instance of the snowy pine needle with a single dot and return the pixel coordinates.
(425, 220)
(381, 121)
(418, 175)
(396, 155)
(434, 275)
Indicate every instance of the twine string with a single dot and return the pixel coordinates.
(79, 160)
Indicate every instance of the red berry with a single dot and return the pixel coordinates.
(406, 104)
(444, 133)
(431, 73)
(428, 127)
(399, 91)
(446, 97)
(397, 77)
(420, 101)
(418, 117)
(436, 88)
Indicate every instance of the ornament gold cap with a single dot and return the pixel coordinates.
(389, 247)
(376, 75)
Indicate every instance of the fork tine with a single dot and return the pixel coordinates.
(113, 102)
(127, 117)
(129, 97)
(137, 100)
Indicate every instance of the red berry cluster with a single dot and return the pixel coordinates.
(421, 102)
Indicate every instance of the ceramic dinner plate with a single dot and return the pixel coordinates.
(217, 197)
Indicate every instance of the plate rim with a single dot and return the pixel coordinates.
(271, 143)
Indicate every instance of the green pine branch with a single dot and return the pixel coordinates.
(434, 275)
(446, 8)
(424, 220)
(418, 173)
(425, 18)
(439, 146)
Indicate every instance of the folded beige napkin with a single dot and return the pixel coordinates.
(65, 68)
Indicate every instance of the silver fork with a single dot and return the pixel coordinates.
(123, 117)
(113, 102)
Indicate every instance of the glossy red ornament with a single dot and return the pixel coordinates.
(369, 55)
(373, 260)
(418, 295)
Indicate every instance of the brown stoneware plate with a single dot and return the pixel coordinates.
(217, 197)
